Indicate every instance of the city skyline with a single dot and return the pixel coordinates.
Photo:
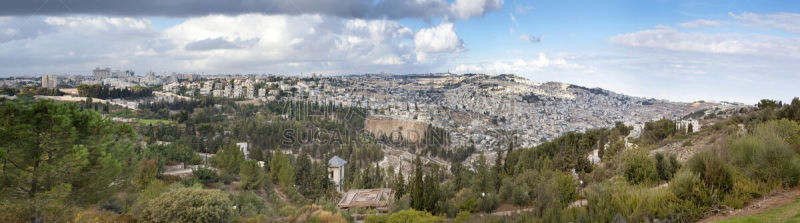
(682, 51)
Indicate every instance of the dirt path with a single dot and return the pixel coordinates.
(280, 194)
(759, 205)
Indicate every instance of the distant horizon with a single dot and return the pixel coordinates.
(138, 74)
(678, 50)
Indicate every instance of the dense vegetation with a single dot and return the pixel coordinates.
(105, 92)
(30, 90)
(65, 162)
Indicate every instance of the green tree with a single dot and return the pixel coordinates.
(666, 166)
(146, 172)
(431, 193)
(228, 158)
(251, 175)
(205, 175)
(281, 170)
(190, 205)
(638, 167)
(51, 152)
(482, 181)
(498, 170)
(399, 185)
(305, 182)
(416, 185)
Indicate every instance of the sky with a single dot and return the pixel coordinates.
(740, 51)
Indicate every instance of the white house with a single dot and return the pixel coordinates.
(336, 171)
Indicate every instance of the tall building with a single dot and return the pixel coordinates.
(101, 73)
(49, 81)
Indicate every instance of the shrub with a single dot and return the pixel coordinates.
(227, 178)
(190, 205)
(462, 217)
(487, 203)
(405, 216)
(400, 204)
(249, 204)
(519, 196)
(205, 175)
(251, 175)
(767, 158)
(666, 166)
(688, 186)
(715, 173)
(744, 190)
(778, 163)
(287, 210)
(146, 172)
(638, 167)
(563, 186)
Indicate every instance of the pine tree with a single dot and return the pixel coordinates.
(377, 179)
(251, 175)
(431, 196)
(417, 193)
(399, 185)
(498, 169)
(507, 164)
(229, 158)
(482, 181)
(304, 179)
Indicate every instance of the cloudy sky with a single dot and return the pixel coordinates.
(678, 50)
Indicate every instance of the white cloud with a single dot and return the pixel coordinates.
(785, 21)
(437, 40)
(665, 38)
(543, 63)
(59, 44)
(464, 9)
(700, 23)
(219, 43)
(513, 19)
(530, 38)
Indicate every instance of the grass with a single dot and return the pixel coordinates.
(154, 121)
(786, 213)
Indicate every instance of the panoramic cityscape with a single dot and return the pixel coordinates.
(399, 111)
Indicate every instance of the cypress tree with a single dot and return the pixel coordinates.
(399, 185)
(417, 193)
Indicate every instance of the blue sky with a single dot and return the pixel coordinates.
(678, 50)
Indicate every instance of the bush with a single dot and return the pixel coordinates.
(563, 186)
(767, 158)
(251, 175)
(287, 210)
(743, 191)
(715, 173)
(688, 186)
(400, 204)
(487, 203)
(666, 166)
(462, 217)
(227, 178)
(249, 204)
(190, 205)
(205, 175)
(638, 167)
(619, 202)
(146, 172)
(405, 216)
